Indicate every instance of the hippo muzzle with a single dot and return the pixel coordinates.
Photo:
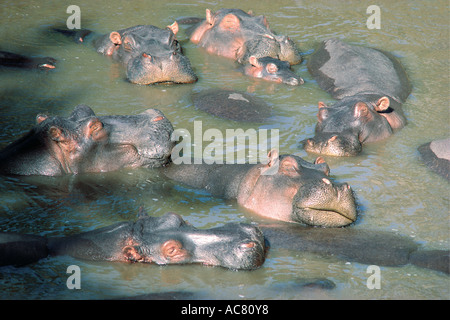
(146, 136)
(324, 204)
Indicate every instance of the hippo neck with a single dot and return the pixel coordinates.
(221, 180)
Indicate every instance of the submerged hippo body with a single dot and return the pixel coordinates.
(160, 240)
(288, 188)
(371, 87)
(14, 60)
(436, 155)
(247, 39)
(149, 54)
(84, 142)
(170, 240)
(363, 246)
(232, 105)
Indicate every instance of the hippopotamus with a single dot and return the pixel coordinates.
(84, 142)
(272, 69)
(436, 155)
(232, 105)
(15, 60)
(370, 85)
(158, 240)
(149, 54)
(247, 39)
(170, 240)
(287, 188)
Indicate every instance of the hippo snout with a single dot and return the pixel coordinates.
(325, 204)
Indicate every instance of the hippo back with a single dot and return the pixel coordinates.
(345, 70)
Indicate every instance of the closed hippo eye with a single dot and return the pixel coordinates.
(173, 251)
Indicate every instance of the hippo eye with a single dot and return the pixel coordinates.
(271, 68)
(127, 46)
(147, 56)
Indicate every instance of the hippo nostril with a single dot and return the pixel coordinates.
(146, 55)
(247, 245)
(157, 119)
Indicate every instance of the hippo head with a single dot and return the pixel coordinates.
(291, 189)
(344, 127)
(271, 45)
(84, 142)
(168, 240)
(151, 55)
(236, 34)
(271, 69)
(340, 144)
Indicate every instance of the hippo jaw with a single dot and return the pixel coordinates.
(325, 205)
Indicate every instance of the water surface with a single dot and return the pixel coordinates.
(395, 191)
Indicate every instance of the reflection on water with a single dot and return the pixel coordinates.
(395, 191)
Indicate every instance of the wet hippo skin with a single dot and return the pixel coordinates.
(84, 142)
(149, 54)
(436, 156)
(370, 85)
(287, 188)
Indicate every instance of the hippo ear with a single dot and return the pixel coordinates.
(173, 251)
(115, 38)
(40, 118)
(322, 105)
(323, 112)
(254, 61)
(382, 104)
(289, 167)
(174, 27)
(230, 22)
(263, 20)
(209, 16)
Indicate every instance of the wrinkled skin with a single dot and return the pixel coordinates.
(14, 60)
(84, 142)
(288, 188)
(160, 240)
(436, 156)
(371, 86)
(150, 54)
(271, 69)
(234, 34)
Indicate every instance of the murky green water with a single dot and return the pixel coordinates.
(395, 190)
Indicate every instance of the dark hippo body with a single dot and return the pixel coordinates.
(160, 240)
(371, 86)
(84, 142)
(363, 246)
(247, 39)
(149, 54)
(14, 60)
(169, 240)
(232, 105)
(288, 188)
(436, 155)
